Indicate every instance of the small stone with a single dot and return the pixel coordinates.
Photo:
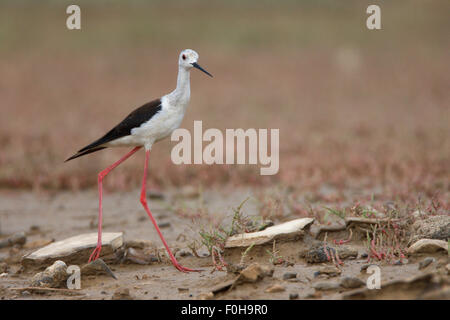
(184, 253)
(16, 239)
(365, 266)
(364, 255)
(447, 267)
(26, 293)
(139, 244)
(155, 195)
(164, 225)
(289, 275)
(122, 294)
(139, 257)
(96, 267)
(3, 267)
(330, 271)
(275, 288)
(293, 296)
(206, 296)
(53, 277)
(324, 286)
(317, 254)
(426, 262)
(254, 272)
(351, 282)
(188, 192)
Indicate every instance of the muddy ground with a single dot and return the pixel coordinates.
(61, 215)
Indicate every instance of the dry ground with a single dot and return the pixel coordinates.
(363, 115)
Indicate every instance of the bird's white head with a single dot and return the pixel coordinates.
(189, 59)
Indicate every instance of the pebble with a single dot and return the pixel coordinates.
(3, 267)
(122, 294)
(426, 262)
(139, 257)
(275, 288)
(293, 296)
(329, 271)
(26, 293)
(155, 195)
(16, 239)
(351, 282)
(97, 267)
(184, 253)
(323, 286)
(289, 275)
(164, 225)
(364, 267)
(255, 272)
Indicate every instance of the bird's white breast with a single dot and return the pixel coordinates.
(162, 124)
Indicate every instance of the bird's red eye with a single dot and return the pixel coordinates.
(184, 57)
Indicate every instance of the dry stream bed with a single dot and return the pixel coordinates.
(302, 259)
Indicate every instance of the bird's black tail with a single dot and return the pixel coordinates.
(83, 152)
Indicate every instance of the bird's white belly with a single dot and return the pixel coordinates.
(160, 126)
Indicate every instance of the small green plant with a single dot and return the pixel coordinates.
(339, 213)
(244, 254)
(275, 258)
(214, 240)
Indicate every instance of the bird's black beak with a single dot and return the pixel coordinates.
(196, 65)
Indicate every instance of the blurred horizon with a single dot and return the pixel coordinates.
(356, 108)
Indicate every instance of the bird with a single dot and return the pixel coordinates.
(143, 127)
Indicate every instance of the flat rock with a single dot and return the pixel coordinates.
(74, 250)
(428, 246)
(284, 230)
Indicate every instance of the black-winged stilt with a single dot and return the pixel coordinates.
(143, 127)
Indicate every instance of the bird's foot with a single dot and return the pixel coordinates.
(95, 254)
(181, 268)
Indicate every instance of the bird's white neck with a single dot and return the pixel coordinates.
(182, 93)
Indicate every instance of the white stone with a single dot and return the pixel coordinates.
(64, 249)
(286, 229)
(428, 246)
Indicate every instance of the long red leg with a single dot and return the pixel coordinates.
(96, 253)
(144, 203)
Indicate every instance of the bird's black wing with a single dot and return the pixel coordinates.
(133, 120)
